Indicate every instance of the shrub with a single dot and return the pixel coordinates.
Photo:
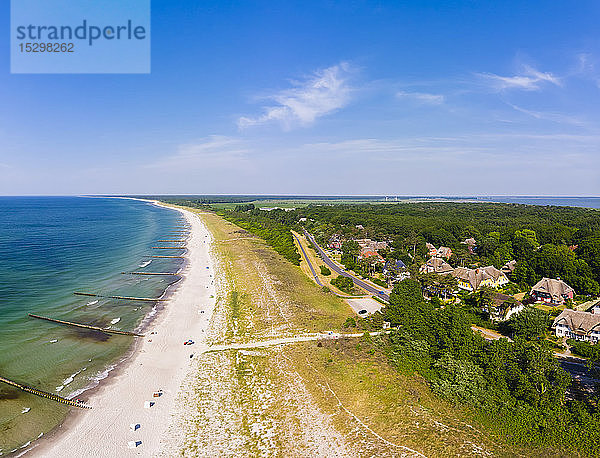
(343, 283)
(325, 271)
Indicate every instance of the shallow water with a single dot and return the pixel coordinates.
(49, 248)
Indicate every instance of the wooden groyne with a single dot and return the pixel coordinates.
(168, 247)
(149, 273)
(174, 241)
(45, 394)
(157, 256)
(87, 326)
(127, 298)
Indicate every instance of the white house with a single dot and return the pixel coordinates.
(577, 325)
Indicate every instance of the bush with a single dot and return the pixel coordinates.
(344, 284)
(459, 381)
(584, 349)
(325, 271)
(350, 323)
(379, 282)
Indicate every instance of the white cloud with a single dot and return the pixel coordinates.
(324, 92)
(550, 116)
(530, 80)
(423, 97)
(209, 152)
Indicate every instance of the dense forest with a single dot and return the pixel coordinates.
(516, 388)
(545, 241)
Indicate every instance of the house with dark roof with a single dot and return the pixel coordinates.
(552, 291)
(577, 325)
(473, 279)
(503, 307)
(395, 270)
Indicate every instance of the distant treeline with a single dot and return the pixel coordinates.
(545, 241)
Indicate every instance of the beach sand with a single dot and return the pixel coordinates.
(160, 362)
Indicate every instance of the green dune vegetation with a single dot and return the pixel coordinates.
(432, 385)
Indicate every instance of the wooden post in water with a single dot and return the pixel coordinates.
(157, 256)
(45, 394)
(87, 326)
(149, 273)
(126, 298)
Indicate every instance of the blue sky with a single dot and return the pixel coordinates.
(406, 98)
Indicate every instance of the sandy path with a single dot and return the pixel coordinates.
(160, 364)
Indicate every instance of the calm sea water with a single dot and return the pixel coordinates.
(49, 248)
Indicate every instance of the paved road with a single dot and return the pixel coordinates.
(357, 281)
(312, 269)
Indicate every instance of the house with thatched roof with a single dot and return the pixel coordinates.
(552, 291)
(509, 267)
(444, 252)
(473, 279)
(436, 266)
(577, 325)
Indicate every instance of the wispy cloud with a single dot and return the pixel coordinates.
(210, 152)
(550, 116)
(423, 97)
(322, 93)
(529, 80)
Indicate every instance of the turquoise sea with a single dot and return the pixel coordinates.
(49, 248)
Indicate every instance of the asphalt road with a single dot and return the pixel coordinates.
(357, 281)
(579, 371)
(312, 269)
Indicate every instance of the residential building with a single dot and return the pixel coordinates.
(473, 279)
(436, 265)
(372, 255)
(471, 244)
(372, 244)
(444, 252)
(503, 307)
(577, 325)
(552, 291)
(509, 267)
(395, 270)
(432, 249)
(334, 243)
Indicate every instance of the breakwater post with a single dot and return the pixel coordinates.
(87, 326)
(45, 394)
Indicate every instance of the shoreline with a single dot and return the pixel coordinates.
(81, 432)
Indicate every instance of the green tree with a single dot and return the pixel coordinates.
(530, 323)
(403, 299)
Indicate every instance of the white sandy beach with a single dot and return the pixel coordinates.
(160, 362)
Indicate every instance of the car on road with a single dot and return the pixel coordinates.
(362, 312)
